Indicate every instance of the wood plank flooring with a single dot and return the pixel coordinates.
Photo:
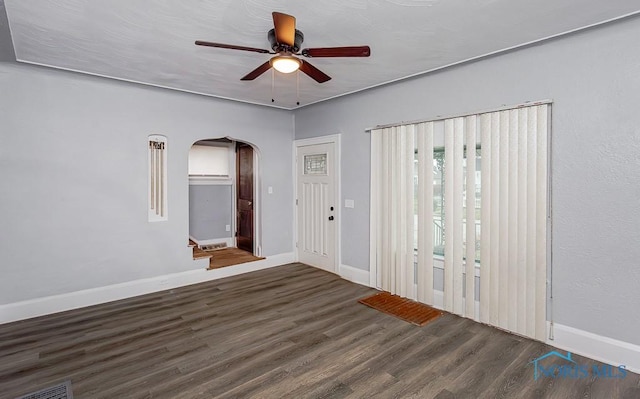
(229, 257)
(287, 332)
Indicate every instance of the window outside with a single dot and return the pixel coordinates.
(439, 170)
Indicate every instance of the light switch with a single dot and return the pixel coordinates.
(227, 227)
(270, 190)
(349, 203)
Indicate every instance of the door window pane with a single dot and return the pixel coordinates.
(315, 164)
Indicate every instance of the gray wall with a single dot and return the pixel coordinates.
(73, 181)
(593, 78)
(209, 211)
(6, 45)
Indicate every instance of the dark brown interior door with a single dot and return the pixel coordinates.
(244, 163)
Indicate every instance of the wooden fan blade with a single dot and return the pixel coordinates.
(232, 47)
(314, 72)
(352, 51)
(258, 71)
(285, 27)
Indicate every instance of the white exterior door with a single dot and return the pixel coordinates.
(317, 205)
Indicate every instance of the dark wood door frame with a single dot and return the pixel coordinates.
(245, 201)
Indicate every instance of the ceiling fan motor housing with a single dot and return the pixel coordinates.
(279, 47)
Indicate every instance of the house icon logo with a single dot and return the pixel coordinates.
(539, 369)
(556, 365)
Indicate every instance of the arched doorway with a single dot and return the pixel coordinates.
(224, 201)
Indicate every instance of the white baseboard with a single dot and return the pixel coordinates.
(593, 346)
(227, 240)
(604, 349)
(354, 275)
(597, 347)
(74, 300)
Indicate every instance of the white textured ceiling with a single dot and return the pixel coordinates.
(152, 41)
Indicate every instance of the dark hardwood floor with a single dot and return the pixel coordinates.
(291, 331)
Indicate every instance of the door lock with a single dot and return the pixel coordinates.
(330, 217)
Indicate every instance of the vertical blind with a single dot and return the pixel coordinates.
(506, 225)
(394, 150)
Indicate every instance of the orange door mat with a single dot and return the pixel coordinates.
(402, 308)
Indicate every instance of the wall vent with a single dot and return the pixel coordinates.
(60, 391)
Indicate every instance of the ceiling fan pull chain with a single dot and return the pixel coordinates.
(298, 87)
(273, 78)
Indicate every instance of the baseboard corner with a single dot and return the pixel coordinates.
(604, 349)
(354, 275)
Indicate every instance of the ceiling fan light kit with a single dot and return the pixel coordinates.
(285, 41)
(285, 63)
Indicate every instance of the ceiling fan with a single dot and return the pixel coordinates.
(285, 41)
